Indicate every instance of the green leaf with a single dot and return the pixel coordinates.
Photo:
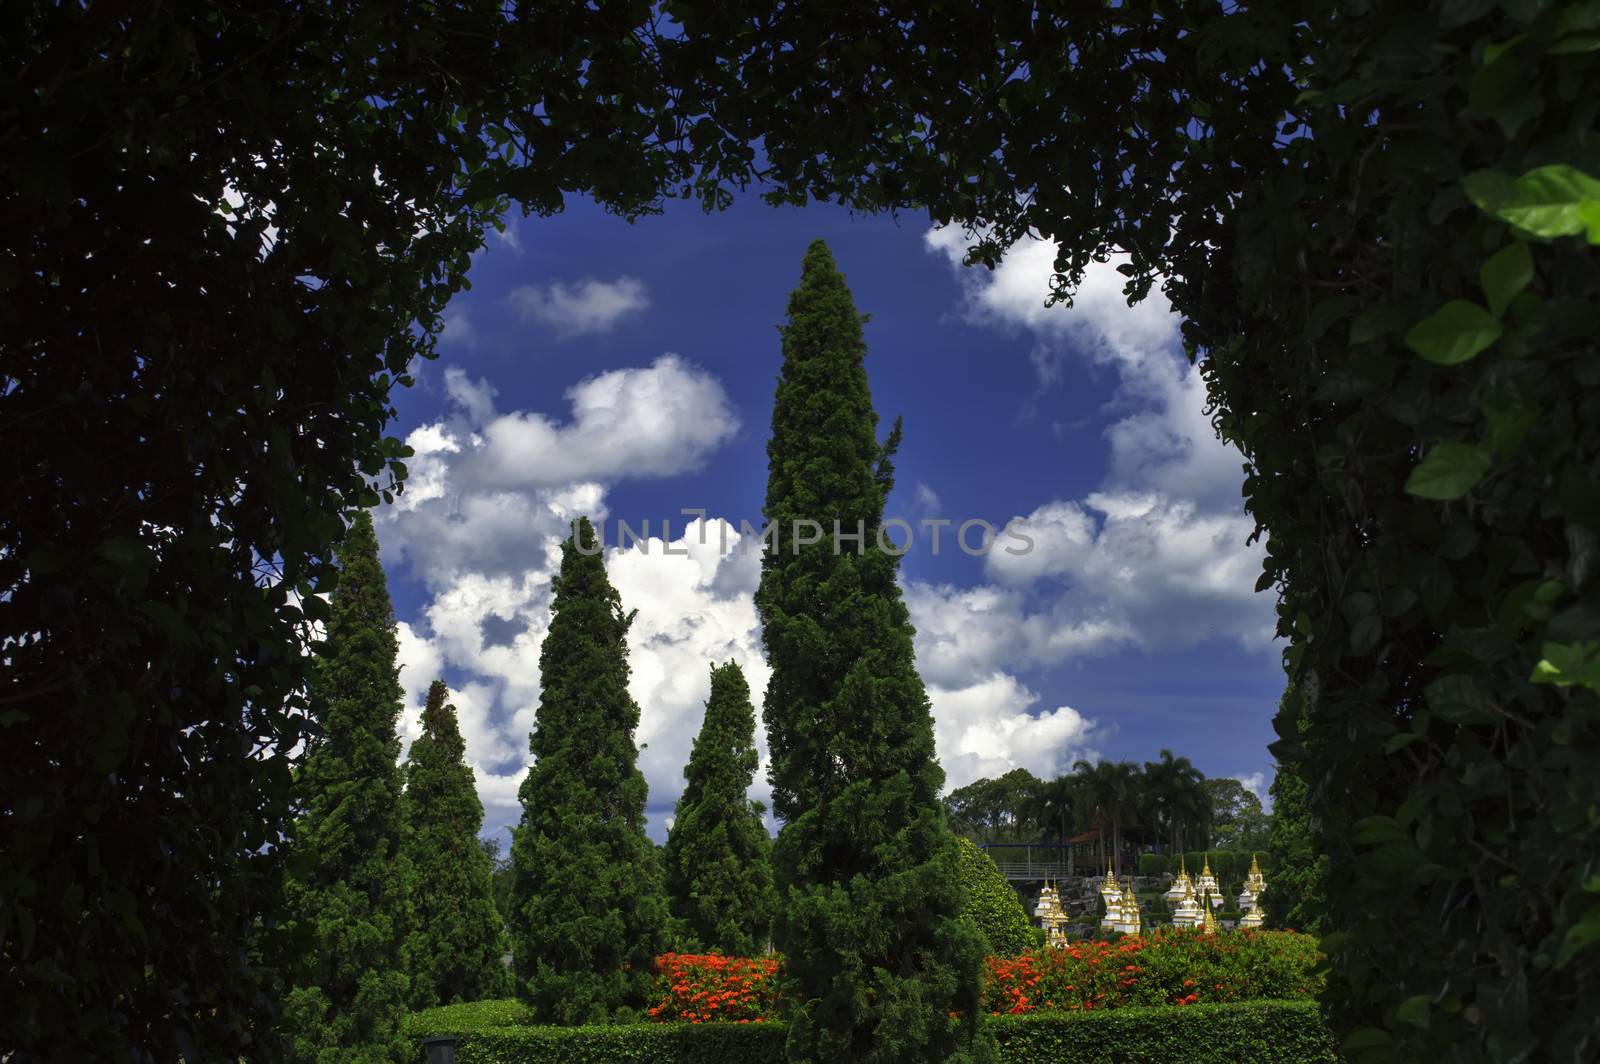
(1579, 937)
(1449, 471)
(1566, 664)
(1506, 422)
(1546, 202)
(1459, 700)
(1507, 273)
(1454, 333)
(1414, 1010)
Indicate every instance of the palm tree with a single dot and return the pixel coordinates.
(1113, 788)
(1173, 787)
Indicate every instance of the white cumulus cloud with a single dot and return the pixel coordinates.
(588, 306)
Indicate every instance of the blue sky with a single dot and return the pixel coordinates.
(626, 371)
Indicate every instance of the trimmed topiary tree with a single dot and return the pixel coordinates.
(587, 905)
(350, 895)
(992, 904)
(718, 855)
(869, 922)
(458, 939)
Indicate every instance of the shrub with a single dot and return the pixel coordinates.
(703, 988)
(1248, 1032)
(468, 1016)
(639, 1043)
(993, 905)
(1172, 966)
(1152, 864)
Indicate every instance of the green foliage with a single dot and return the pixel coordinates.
(639, 1043)
(1170, 966)
(467, 1016)
(1173, 797)
(587, 906)
(351, 889)
(718, 853)
(1312, 181)
(1295, 863)
(869, 874)
(189, 408)
(993, 905)
(1152, 864)
(1248, 1032)
(501, 877)
(1238, 822)
(998, 809)
(457, 937)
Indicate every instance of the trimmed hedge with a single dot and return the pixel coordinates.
(644, 1043)
(993, 904)
(1248, 1032)
(468, 1016)
(1243, 1032)
(1152, 864)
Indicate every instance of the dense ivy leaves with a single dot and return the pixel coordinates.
(869, 920)
(1376, 220)
(349, 893)
(1297, 891)
(457, 939)
(587, 907)
(225, 232)
(718, 854)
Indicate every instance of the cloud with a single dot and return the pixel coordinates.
(927, 500)
(1256, 783)
(695, 608)
(458, 329)
(1157, 556)
(988, 728)
(589, 306)
(655, 421)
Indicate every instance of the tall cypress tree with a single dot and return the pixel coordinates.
(587, 909)
(718, 854)
(350, 890)
(457, 938)
(869, 874)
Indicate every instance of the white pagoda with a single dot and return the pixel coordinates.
(1127, 914)
(1187, 911)
(1206, 886)
(1255, 884)
(1180, 885)
(1052, 917)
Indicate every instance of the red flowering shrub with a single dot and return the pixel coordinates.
(1168, 967)
(703, 988)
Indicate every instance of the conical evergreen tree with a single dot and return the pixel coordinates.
(457, 940)
(718, 854)
(587, 904)
(350, 893)
(1297, 890)
(869, 874)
